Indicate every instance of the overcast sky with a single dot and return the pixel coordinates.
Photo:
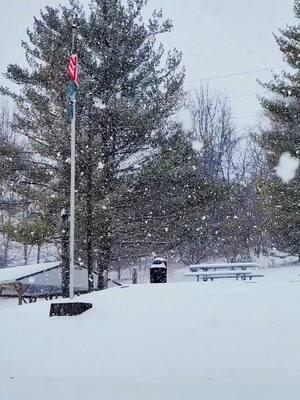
(217, 37)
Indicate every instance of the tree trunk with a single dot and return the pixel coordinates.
(108, 174)
(5, 242)
(65, 283)
(89, 218)
(25, 251)
(104, 255)
(5, 250)
(38, 257)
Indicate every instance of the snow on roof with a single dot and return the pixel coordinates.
(14, 274)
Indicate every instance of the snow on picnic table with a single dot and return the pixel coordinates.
(225, 340)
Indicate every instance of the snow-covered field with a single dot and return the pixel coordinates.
(185, 340)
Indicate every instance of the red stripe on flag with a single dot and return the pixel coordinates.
(73, 69)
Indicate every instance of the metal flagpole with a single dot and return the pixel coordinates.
(72, 186)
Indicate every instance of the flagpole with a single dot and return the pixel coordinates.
(72, 185)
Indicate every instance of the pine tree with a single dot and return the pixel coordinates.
(170, 206)
(282, 199)
(155, 200)
(126, 96)
(14, 161)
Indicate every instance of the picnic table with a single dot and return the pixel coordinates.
(226, 266)
(236, 270)
(205, 276)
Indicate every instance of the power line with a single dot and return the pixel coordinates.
(246, 116)
(253, 71)
(245, 95)
(239, 96)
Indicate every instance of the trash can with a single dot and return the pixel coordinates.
(158, 271)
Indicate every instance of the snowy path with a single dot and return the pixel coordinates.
(226, 340)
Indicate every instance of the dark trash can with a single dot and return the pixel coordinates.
(158, 271)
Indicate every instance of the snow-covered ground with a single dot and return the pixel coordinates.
(217, 340)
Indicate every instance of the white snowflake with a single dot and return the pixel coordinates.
(100, 165)
(287, 167)
(197, 145)
(185, 118)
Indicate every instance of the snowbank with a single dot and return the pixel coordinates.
(225, 340)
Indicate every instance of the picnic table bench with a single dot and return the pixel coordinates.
(205, 276)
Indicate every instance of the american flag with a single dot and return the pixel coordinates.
(73, 69)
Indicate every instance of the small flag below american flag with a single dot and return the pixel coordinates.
(73, 69)
(71, 93)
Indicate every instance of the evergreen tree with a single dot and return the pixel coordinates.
(171, 206)
(126, 96)
(151, 216)
(14, 161)
(282, 199)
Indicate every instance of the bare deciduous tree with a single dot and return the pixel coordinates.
(213, 127)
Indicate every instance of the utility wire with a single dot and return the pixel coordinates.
(245, 95)
(246, 116)
(238, 96)
(253, 71)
